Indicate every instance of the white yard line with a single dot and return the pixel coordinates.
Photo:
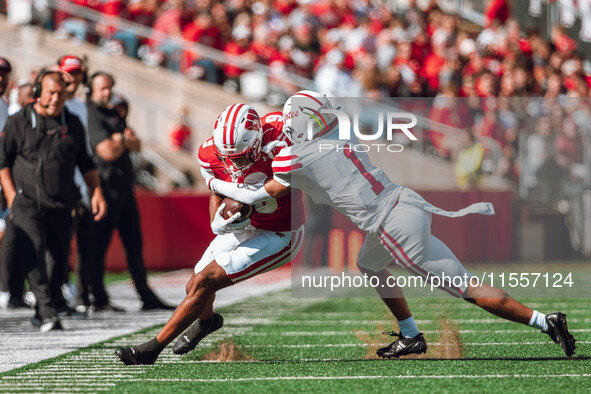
(499, 376)
(110, 382)
(352, 332)
(108, 356)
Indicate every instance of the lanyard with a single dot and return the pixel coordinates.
(34, 122)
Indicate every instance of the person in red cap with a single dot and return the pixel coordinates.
(76, 67)
(5, 70)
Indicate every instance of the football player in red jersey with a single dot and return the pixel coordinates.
(241, 151)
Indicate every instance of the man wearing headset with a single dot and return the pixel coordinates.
(40, 147)
(112, 141)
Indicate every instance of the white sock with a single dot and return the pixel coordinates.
(408, 328)
(538, 320)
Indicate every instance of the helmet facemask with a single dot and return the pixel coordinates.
(241, 161)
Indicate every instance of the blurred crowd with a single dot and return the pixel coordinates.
(360, 48)
(541, 144)
(353, 48)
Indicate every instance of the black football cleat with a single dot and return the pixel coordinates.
(132, 356)
(403, 346)
(558, 331)
(199, 330)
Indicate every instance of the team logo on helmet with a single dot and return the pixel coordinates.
(237, 137)
(304, 118)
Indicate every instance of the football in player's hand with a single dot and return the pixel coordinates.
(232, 207)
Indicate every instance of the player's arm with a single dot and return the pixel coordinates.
(214, 203)
(237, 192)
(277, 186)
(215, 200)
(276, 189)
(271, 189)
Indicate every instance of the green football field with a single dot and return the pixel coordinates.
(275, 343)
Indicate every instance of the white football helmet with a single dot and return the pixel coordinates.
(237, 136)
(303, 107)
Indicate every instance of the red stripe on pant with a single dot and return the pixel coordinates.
(283, 259)
(260, 266)
(259, 263)
(454, 291)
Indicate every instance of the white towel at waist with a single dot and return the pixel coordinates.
(411, 197)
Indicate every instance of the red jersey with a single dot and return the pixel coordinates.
(289, 212)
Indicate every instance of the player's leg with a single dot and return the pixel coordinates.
(408, 237)
(440, 259)
(220, 244)
(393, 297)
(372, 260)
(203, 286)
(208, 310)
(208, 321)
(251, 254)
(499, 303)
(230, 258)
(199, 299)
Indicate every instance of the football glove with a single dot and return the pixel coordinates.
(219, 225)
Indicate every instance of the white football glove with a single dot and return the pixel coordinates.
(219, 225)
(268, 149)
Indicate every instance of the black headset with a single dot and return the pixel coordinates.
(88, 88)
(84, 66)
(42, 74)
(6, 64)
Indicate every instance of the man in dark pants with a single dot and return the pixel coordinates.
(112, 141)
(12, 277)
(39, 149)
